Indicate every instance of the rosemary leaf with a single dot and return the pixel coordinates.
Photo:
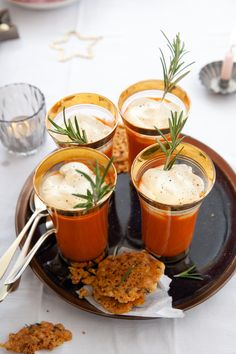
(190, 273)
(99, 188)
(172, 72)
(72, 131)
(125, 276)
(87, 177)
(176, 124)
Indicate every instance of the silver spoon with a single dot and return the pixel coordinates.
(7, 256)
(34, 203)
(20, 269)
(6, 289)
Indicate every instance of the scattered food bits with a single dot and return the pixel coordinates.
(38, 336)
(83, 293)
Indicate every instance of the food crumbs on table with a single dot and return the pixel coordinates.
(38, 336)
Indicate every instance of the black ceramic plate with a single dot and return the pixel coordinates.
(213, 249)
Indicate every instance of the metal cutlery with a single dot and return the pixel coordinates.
(16, 274)
(7, 256)
(7, 288)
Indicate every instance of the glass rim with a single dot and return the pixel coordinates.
(147, 85)
(52, 159)
(155, 152)
(32, 115)
(94, 144)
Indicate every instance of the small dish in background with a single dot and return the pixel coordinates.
(41, 4)
(210, 78)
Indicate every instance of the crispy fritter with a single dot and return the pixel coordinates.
(120, 150)
(44, 335)
(116, 307)
(128, 276)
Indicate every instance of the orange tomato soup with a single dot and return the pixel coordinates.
(84, 237)
(137, 142)
(165, 234)
(107, 150)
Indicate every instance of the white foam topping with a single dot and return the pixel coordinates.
(177, 186)
(58, 188)
(95, 129)
(147, 112)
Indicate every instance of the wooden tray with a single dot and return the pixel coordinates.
(213, 249)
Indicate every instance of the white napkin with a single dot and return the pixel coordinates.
(157, 304)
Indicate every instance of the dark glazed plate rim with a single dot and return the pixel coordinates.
(195, 300)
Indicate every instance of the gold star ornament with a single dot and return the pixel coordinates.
(60, 44)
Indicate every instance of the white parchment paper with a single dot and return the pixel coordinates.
(157, 304)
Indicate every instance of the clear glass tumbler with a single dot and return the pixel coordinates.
(85, 103)
(82, 235)
(167, 229)
(22, 118)
(140, 137)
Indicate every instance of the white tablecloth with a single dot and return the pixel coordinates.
(128, 53)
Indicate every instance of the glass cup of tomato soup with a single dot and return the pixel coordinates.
(170, 200)
(142, 109)
(96, 115)
(81, 230)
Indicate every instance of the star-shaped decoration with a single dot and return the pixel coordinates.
(58, 45)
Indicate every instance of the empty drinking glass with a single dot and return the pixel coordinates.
(22, 118)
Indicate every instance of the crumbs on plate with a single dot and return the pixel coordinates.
(84, 272)
(38, 336)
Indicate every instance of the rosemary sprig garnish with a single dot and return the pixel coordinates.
(176, 124)
(174, 72)
(190, 273)
(98, 187)
(125, 275)
(74, 133)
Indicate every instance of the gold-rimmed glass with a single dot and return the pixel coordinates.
(87, 103)
(139, 137)
(81, 236)
(167, 230)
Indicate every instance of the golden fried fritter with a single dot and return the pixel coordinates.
(128, 276)
(116, 307)
(44, 335)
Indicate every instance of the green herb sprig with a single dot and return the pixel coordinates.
(176, 124)
(98, 187)
(174, 71)
(190, 273)
(126, 275)
(74, 133)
